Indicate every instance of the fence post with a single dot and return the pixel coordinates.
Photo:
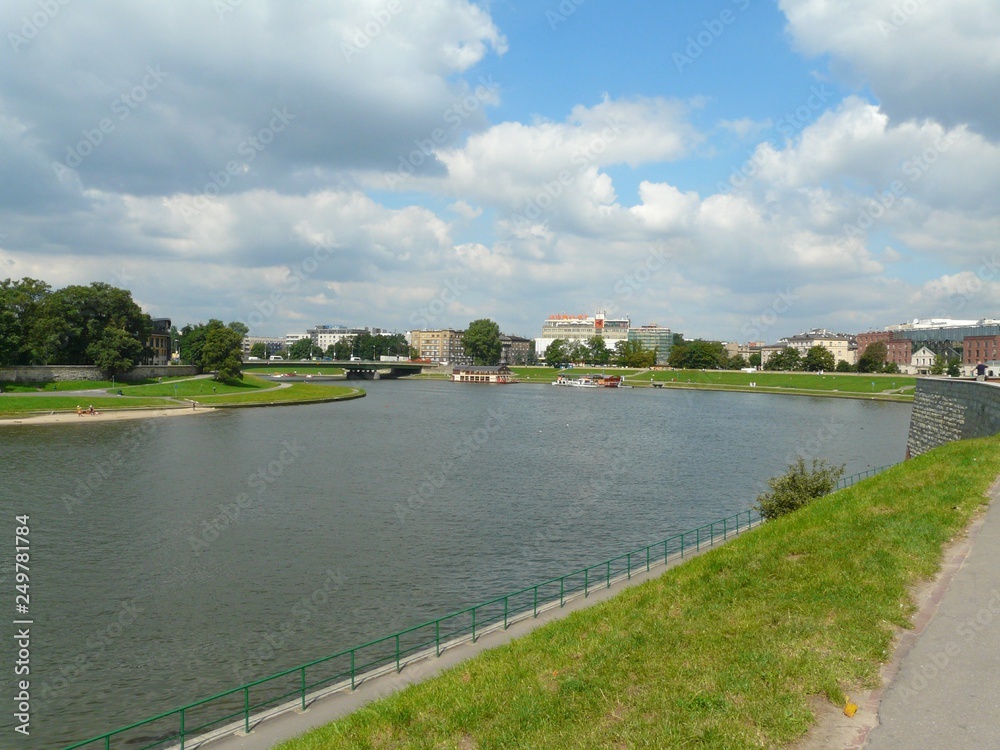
(246, 713)
(697, 539)
(585, 578)
(562, 587)
(535, 608)
(647, 559)
(398, 670)
(628, 565)
(352, 669)
(303, 688)
(725, 530)
(473, 624)
(505, 613)
(437, 638)
(609, 574)
(182, 724)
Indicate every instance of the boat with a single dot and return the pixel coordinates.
(590, 381)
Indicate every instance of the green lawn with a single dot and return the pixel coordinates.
(725, 651)
(295, 392)
(303, 368)
(199, 387)
(67, 385)
(22, 405)
(839, 382)
(549, 374)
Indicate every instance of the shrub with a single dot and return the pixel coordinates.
(798, 487)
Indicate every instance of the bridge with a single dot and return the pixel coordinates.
(354, 369)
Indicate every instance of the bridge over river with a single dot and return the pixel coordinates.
(354, 369)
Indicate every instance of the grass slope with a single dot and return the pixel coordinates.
(23, 405)
(842, 382)
(296, 392)
(722, 652)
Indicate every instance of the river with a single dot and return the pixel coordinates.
(166, 554)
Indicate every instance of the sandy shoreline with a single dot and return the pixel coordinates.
(104, 416)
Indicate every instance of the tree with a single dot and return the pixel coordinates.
(19, 301)
(874, 357)
(634, 354)
(598, 352)
(241, 328)
(787, 359)
(940, 365)
(798, 487)
(736, 362)
(844, 366)
(116, 351)
(579, 352)
(698, 355)
(259, 350)
(891, 369)
(301, 349)
(754, 360)
(557, 354)
(953, 368)
(222, 352)
(818, 358)
(481, 342)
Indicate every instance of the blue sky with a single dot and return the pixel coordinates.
(700, 165)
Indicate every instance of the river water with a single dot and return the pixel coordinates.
(170, 558)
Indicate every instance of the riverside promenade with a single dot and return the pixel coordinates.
(943, 688)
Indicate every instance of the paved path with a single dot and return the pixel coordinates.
(946, 693)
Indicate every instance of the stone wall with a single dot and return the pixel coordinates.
(59, 373)
(945, 409)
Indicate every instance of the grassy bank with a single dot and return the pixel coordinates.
(22, 405)
(848, 383)
(296, 392)
(549, 374)
(725, 651)
(198, 387)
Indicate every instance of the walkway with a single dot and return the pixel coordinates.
(946, 693)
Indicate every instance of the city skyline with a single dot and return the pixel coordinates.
(733, 169)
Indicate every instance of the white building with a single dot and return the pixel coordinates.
(580, 329)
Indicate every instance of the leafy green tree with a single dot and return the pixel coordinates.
(116, 351)
(634, 354)
(891, 369)
(953, 368)
(597, 351)
(579, 352)
(874, 357)
(788, 359)
(797, 488)
(557, 353)
(342, 349)
(481, 342)
(754, 360)
(736, 362)
(940, 365)
(259, 350)
(222, 352)
(19, 302)
(698, 355)
(241, 328)
(818, 358)
(844, 366)
(301, 349)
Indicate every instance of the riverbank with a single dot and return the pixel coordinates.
(741, 647)
(102, 416)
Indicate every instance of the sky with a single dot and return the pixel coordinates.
(732, 169)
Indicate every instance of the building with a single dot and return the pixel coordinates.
(158, 343)
(515, 350)
(840, 345)
(475, 374)
(291, 338)
(272, 344)
(326, 336)
(443, 345)
(654, 337)
(899, 351)
(581, 328)
(922, 361)
(976, 349)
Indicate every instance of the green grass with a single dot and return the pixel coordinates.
(315, 368)
(549, 374)
(840, 382)
(295, 392)
(68, 385)
(198, 387)
(22, 405)
(725, 651)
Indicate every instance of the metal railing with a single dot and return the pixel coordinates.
(348, 668)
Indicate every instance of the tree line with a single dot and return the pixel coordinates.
(98, 325)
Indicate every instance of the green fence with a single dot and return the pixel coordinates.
(345, 669)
